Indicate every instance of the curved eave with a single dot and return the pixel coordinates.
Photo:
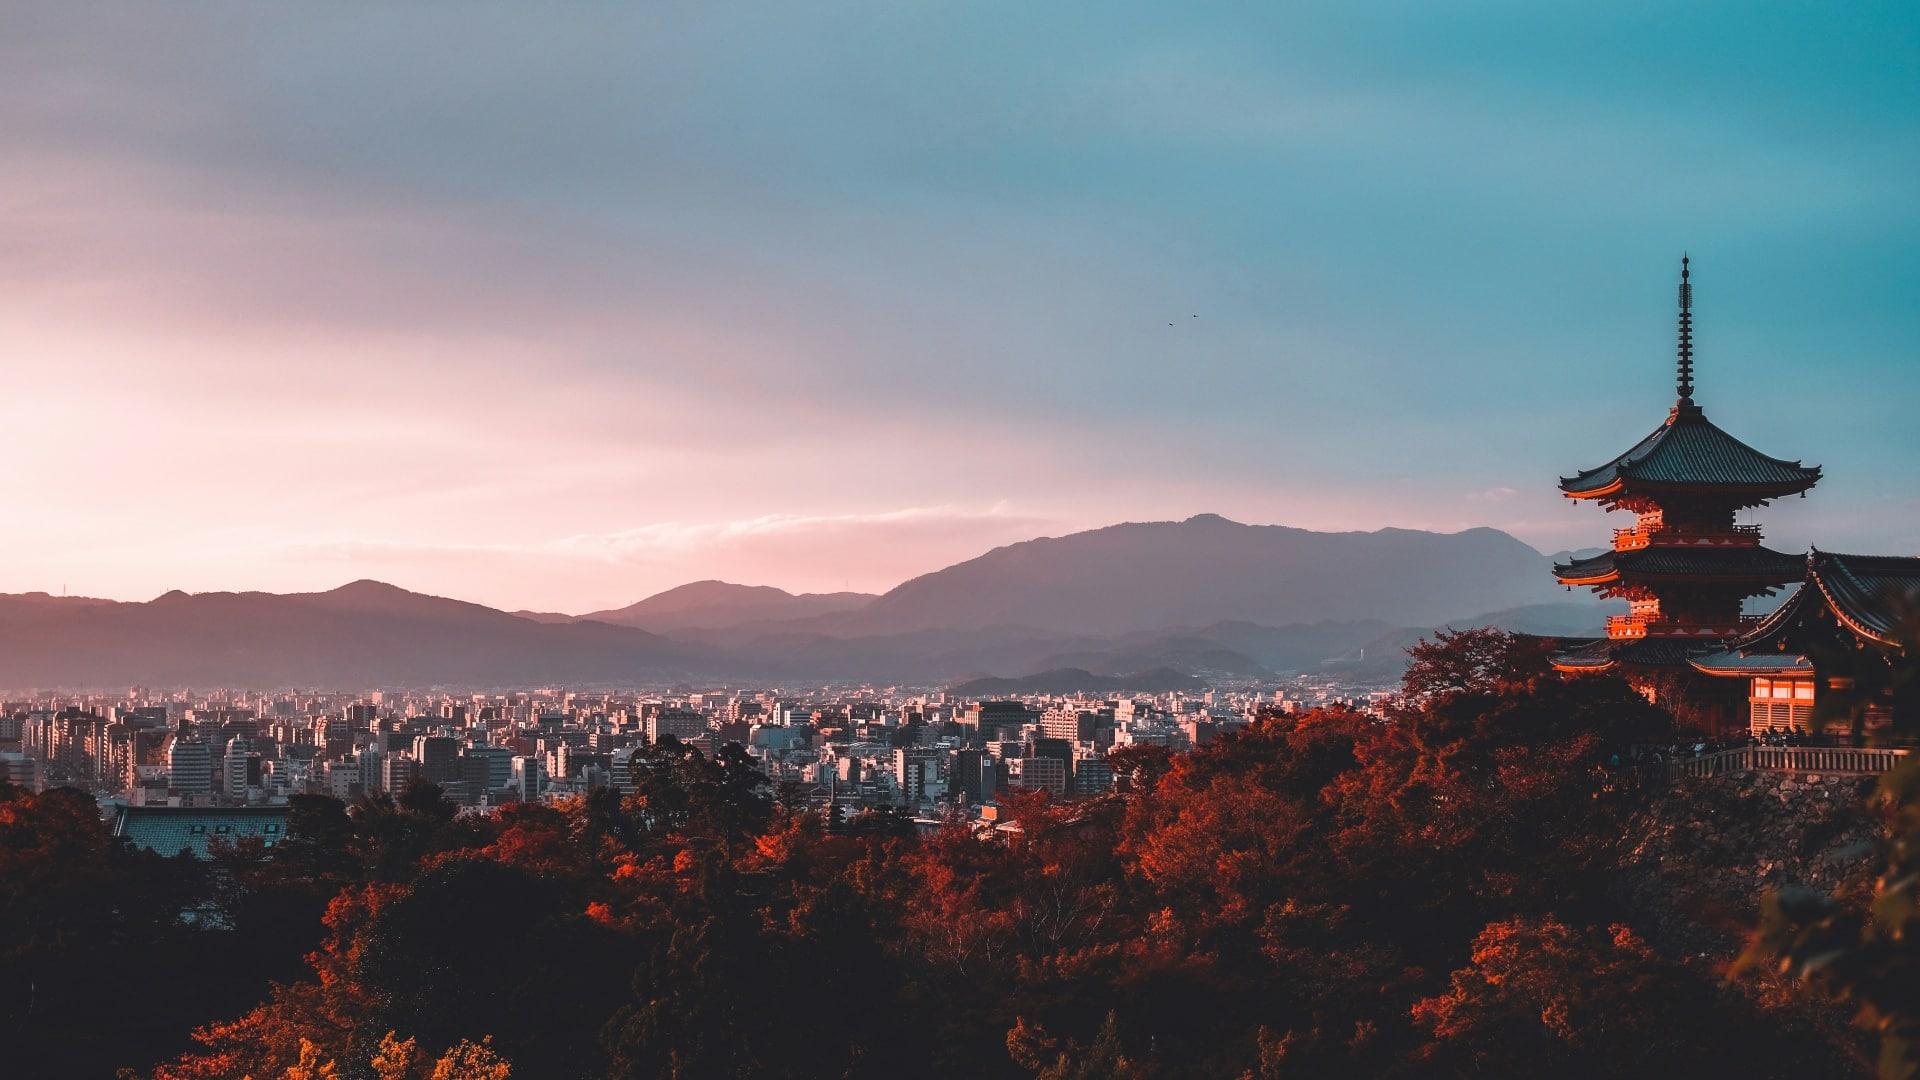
(1585, 656)
(1841, 606)
(1844, 595)
(1744, 494)
(1600, 492)
(1776, 621)
(1745, 567)
(1690, 453)
(1731, 664)
(1752, 578)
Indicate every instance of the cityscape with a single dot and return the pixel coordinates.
(932, 757)
(1080, 542)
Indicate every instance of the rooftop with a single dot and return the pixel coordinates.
(1755, 563)
(1606, 652)
(1688, 450)
(169, 830)
(1874, 596)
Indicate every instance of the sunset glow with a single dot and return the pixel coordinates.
(775, 296)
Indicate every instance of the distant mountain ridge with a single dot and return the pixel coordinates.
(366, 633)
(1205, 596)
(1151, 575)
(709, 605)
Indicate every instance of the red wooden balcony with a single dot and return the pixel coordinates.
(1639, 626)
(1685, 536)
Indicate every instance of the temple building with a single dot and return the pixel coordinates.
(1833, 658)
(1686, 567)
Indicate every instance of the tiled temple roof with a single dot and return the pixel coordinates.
(1691, 451)
(1606, 652)
(1744, 563)
(1871, 595)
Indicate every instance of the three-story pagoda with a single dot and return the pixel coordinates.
(1685, 567)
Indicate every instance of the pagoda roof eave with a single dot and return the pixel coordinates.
(1733, 663)
(1740, 494)
(1869, 595)
(1585, 656)
(1689, 451)
(1734, 566)
(1604, 654)
(1864, 605)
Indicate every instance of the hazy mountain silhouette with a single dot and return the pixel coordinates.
(1206, 569)
(716, 605)
(363, 634)
(1204, 596)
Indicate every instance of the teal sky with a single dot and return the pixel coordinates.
(557, 305)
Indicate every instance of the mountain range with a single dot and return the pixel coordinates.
(363, 634)
(717, 605)
(1202, 597)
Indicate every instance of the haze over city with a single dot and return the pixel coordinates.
(549, 311)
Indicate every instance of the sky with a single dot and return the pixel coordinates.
(557, 305)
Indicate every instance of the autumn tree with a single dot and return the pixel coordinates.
(723, 799)
(77, 906)
(1864, 951)
(1540, 997)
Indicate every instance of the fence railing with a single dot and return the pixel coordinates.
(1835, 760)
(1639, 626)
(1642, 536)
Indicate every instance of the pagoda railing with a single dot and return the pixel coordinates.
(1686, 536)
(1639, 626)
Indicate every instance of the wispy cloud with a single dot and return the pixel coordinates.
(1493, 494)
(649, 542)
(805, 552)
(674, 539)
(584, 306)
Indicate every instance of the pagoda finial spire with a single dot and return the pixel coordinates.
(1685, 384)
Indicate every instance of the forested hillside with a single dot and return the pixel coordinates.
(1429, 895)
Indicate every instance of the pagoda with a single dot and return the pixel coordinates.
(1685, 567)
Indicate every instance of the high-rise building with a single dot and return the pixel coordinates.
(189, 767)
(22, 771)
(498, 765)
(372, 776)
(1047, 773)
(917, 771)
(529, 778)
(995, 720)
(438, 757)
(233, 774)
(396, 772)
(620, 768)
(972, 775)
(682, 724)
(1092, 776)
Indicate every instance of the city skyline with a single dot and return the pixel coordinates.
(829, 300)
